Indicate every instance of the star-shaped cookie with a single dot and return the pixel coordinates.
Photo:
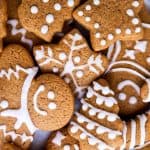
(110, 20)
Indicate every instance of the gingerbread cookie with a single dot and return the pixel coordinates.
(61, 140)
(15, 32)
(72, 59)
(44, 18)
(110, 21)
(128, 70)
(97, 125)
(28, 104)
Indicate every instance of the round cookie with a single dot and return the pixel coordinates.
(28, 104)
(72, 59)
(44, 18)
(97, 125)
(109, 22)
(127, 72)
(61, 140)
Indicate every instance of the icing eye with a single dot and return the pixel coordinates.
(52, 106)
(4, 104)
(51, 95)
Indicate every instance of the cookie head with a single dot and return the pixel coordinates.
(50, 102)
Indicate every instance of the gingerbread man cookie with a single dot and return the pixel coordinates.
(61, 140)
(72, 59)
(29, 103)
(128, 70)
(109, 21)
(97, 126)
(44, 18)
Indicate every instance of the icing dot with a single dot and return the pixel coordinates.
(138, 29)
(45, 1)
(90, 126)
(80, 13)
(4, 104)
(70, 3)
(135, 4)
(83, 136)
(103, 42)
(101, 116)
(74, 129)
(49, 18)
(80, 119)
(130, 12)
(99, 130)
(135, 21)
(99, 101)
(88, 7)
(77, 59)
(122, 96)
(96, 25)
(79, 74)
(87, 19)
(67, 147)
(109, 103)
(89, 94)
(92, 112)
(92, 141)
(55, 69)
(111, 136)
(57, 7)
(84, 107)
(34, 9)
(67, 80)
(96, 2)
(110, 36)
(44, 29)
(148, 60)
(128, 31)
(132, 100)
(111, 118)
(51, 95)
(118, 31)
(98, 35)
(62, 56)
(52, 106)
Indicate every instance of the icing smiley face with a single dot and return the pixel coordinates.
(49, 103)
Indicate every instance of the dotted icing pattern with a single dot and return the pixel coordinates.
(66, 59)
(102, 34)
(97, 108)
(52, 16)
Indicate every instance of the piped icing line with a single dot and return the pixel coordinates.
(143, 119)
(22, 114)
(123, 146)
(147, 99)
(133, 134)
(110, 116)
(102, 144)
(22, 31)
(146, 25)
(110, 50)
(137, 66)
(108, 101)
(14, 135)
(58, 138)
(102, 128)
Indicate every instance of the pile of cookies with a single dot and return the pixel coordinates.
(77, 68)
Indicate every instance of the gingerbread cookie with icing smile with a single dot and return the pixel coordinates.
(72, 59)
(35, 102)
(44, 18)
(109, 21)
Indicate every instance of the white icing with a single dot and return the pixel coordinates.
(55, 69)
(80, 13)
(141, 46)
(135, 21)
(45, 1)
(118, 31)
(97, 35)
(147, 99)
(77, 59)
(123, 146)
(52, 105)
(96, 2)
(128, 31)
(138, 29)
(103, 42)
(129, 54)
(67, 147)
(110, 36)
(92, 112)
(133, 134)
(22, 115)
(44, 29)
(58, 138)
(57, 7)
(49, 18)
(62, 56)
(96, 25)
(4, 104)
(70, 3)
(143, 119)
(82, 136)
(88, 7)
(22, 31)
(130, 12)
(146, 25)
(148, 60)
(132, 100)
(135, 3)
(79, 74)
(122, 96)
(87, 19)
(110, 50)
(51, 95)
(34, 9)
(76, 147)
